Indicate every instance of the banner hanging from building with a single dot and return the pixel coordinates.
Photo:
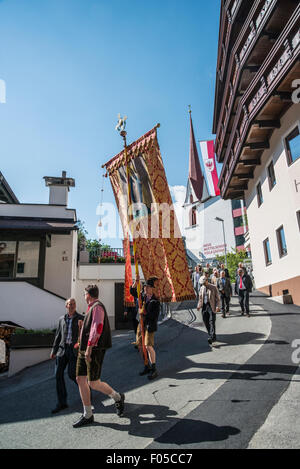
(209, 162)
(150, 217)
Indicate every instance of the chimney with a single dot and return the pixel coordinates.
(59, 188)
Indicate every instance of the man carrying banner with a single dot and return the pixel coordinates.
(150, 313)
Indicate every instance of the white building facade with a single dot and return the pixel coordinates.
(273, 207)
(203, 233)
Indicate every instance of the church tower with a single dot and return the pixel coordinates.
(196, 190)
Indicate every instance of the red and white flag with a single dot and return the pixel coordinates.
(209, 162)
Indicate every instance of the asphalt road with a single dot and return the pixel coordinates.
(203, 398)
(232, 415)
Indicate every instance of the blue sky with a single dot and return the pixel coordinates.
(70, 66)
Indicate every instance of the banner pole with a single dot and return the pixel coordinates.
(137, 276)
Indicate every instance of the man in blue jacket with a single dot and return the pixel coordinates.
(65, 352)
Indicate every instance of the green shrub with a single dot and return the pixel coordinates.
(233, 260)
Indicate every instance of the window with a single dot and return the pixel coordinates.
(20, 267)
(259, 194)
(292, 143)
(267, 251)
(19, 259)
(238, 221)
(271, 176)
(28, 259)
(281, 242)
(240, 240)
(7, 258)
(193, 217)
(236, 204)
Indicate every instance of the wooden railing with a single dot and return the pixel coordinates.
(230, 11)
(283, 55)
(243, 46)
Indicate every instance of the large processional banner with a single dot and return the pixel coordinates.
(149, 216)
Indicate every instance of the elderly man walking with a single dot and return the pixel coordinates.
(243, 287)
(222, 267)
(225, 290)
(64, 352)
(209, 303)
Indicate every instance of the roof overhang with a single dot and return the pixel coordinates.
(6, 193)
(37, 225)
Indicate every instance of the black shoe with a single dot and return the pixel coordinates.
(58, 408)
(210, 341)
(223, 316)
(153, 373)
(119, 405)
(83, 421)
(242, 313)
(145, 371)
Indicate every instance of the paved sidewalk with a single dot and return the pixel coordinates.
(281, 430)
(198, 400)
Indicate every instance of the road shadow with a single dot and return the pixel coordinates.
(148, 420)
(120, 369)
(232, 371)
(189, 431)
(176, 344)
(262, 314)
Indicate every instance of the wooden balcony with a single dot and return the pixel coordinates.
(256, 38)
(233, 14)
(260, 109)
(228, 16)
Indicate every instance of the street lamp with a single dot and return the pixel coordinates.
(221, 220)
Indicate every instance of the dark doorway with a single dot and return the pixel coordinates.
(121, 321)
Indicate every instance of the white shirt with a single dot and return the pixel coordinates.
(205, 296)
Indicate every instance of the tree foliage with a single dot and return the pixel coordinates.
(82, 232)
(86, 243)
(233, 260)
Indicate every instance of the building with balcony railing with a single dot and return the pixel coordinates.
(256, 122)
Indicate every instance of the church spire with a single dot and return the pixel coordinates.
(196, 177)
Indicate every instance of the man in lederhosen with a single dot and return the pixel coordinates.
(95, 339)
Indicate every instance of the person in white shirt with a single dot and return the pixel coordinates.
(209, 303)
